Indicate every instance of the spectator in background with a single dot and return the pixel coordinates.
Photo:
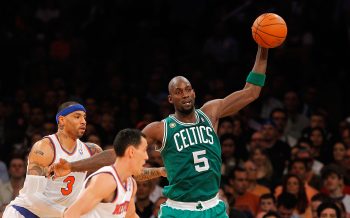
(267, 203)
(339, 154)
(243, 200)
(253, 186)
(299, 168)
(9, 190)
(317, 119)
(328, 209)
(286, 205)
(272, 214)
(320, 145)
(94, 138)
(279, 117)
(228, 154)
(296, 121)
(156, 206)
(4, 176)
(256, 140)
(144, 206)
(305, 161)
(333, 179)
(279, 152)
(225, 126)
(292, 184)
(263, 165)
(316, 200)
(345, 135)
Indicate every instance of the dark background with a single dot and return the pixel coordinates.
(123, 53)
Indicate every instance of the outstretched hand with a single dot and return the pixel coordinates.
(61, 168)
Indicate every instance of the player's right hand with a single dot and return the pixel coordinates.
(61, 168)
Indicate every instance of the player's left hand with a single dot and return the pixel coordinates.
(61, 168)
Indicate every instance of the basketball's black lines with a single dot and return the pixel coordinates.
(263, 40)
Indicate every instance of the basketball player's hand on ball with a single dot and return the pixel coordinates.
(61, 168)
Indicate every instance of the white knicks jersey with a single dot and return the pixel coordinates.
(123, 194)
(62, 190)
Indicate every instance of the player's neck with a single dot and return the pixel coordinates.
(66, 141)
(185, 118)
(123, 170)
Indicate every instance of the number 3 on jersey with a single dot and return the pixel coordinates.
(70, 182)
(200, 163)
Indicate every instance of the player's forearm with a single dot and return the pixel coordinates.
(105, 158)
(41, 205)
(261, 60)
(150, 173)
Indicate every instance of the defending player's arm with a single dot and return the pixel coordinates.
(101, 186)
(234, 102)
(151, 173)
(40, 156)
(131, 212)
(104, 158)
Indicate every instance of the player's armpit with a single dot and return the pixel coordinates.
(151, 173)
(94, 148)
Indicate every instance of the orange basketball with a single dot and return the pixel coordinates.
(269, 30)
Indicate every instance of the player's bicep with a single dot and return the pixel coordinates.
(154, 133)
(40, 157)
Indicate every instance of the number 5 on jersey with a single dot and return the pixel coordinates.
(200, 163)
(70, 182)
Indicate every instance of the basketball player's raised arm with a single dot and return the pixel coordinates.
(40, 156)
(100, 187)
(234, 102)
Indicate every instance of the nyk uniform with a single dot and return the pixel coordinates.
(62, 190)
(123, 193)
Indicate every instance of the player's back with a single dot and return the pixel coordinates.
(62, 190)
(123, 194)
(192, 158)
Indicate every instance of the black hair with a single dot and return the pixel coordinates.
(125, 138)
(326, 205)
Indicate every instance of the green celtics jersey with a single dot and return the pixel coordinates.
(192, 158)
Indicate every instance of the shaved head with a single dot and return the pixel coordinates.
(176, 80)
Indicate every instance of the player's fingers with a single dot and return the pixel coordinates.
(50, 171)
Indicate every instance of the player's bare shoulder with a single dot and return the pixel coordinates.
(94, 148)
(154, 131)
(40, 157)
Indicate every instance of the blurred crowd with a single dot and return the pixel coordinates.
(287, 152)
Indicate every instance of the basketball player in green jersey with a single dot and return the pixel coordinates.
(189, 146)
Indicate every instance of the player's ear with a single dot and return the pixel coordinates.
(170, 99)
(130, 151)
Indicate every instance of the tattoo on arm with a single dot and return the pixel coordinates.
(148, 173)
(39, 152)
(94, 149)
(35, 169)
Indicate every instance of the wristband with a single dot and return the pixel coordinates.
(257, 79)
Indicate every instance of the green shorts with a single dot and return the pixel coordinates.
(218, 211)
